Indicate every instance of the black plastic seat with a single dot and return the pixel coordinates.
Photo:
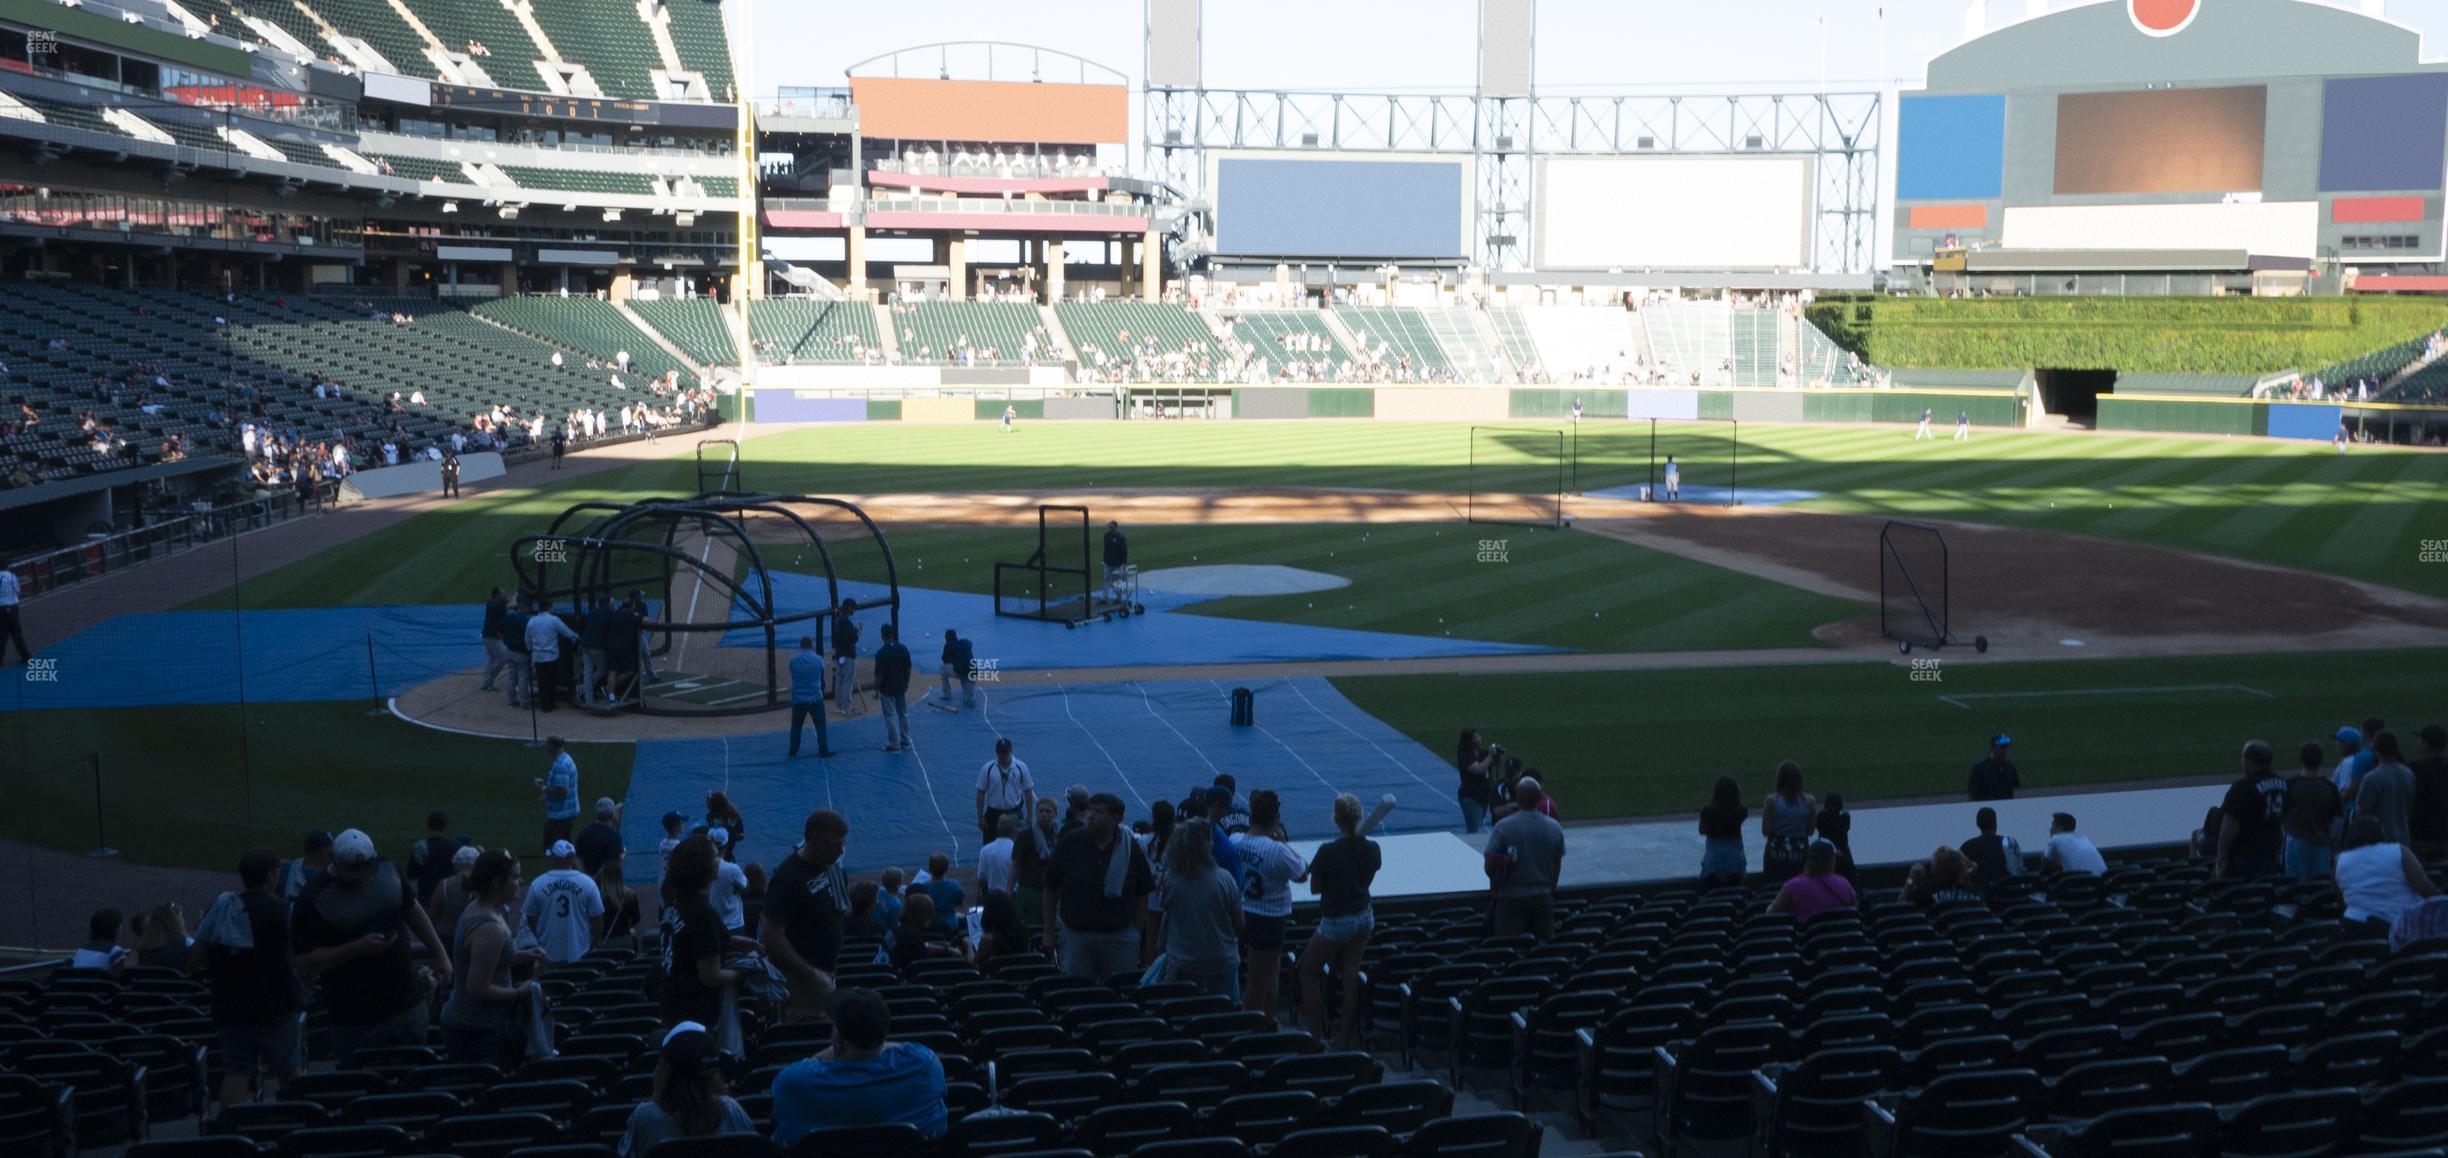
(266, 1122)
(1815, 1109)
(2294, 1124)
(980, 1134)
(1263, 1119)
(2407, 1115)
(725, 1146)
(2228, 1076)
(2179, 1038)
(343, 1142)
(1705, 1084)
(1064, 1096)
(1200, 1085)
(1397, 1107)
(1960, 1115)
(1476, 1136)
(207, 1146)
(1328, 1075)
(490, 1135)
(2176, 1131)
(2094, 1088)
(1338, 1142)
(1117, 1130)
(1959, 1055)
(2355, 1060)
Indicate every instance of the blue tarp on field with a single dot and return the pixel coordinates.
(1142, 740)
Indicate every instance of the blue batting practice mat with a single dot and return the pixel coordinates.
(1693, 494)
(368, 653)
(1143, 740)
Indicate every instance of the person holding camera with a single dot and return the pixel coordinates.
(1474, 759)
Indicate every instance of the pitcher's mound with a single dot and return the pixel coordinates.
(1239, 579)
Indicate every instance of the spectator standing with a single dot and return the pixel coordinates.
(451, 897)
(621, 909)
(559, 791)
(807, 670)
(545, 635)
(255, 994)
(1004, 786)
(1031, 853)
(1203, 916)
(1117, 557)
(497, 655)
(1473, 761)
(1270, 866)
(1995, 776)
(2428, 823)
(2354, 760)
(1525, 855)
(1722, 860)
(1994, 858)
(862, 1079)
(892, 676)
(1340, 878)
(2068, 851)
(804, 905)
(2308, 825)
(729, 892)
(600, 841)
(845, 655)
(1817, 888)
(565, 910)
(2378, 877)
(450, 473)
(2386, 793)
(595, 651)
(1000, 932)
(722, 814)
(429, 859)
(12, 629)
(1096, 888)
(625, 629)
(1835, 825)
(690, 1099)
(947, 893)
(350, 929)
(995, 858)
(514, 641)
(1785, 821)
(693, 940)
(2249, 816)
(480, 1020)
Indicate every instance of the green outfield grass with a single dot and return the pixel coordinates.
(195, 785)
(1554, 588)
(1645, 742)
(2362, 515)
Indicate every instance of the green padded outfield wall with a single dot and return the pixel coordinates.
(1597, 402)
(1340, 404)
(1836, 406)
(992, 408)
(889, 410)
(2173, 416)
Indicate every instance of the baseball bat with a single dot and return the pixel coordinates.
(1385, 807)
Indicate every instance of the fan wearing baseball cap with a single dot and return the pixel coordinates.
(1995, 778)
(564, 907)
(689, 1100)
(350, 927)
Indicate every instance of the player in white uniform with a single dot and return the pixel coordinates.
(1674, 480)
(1963, 426)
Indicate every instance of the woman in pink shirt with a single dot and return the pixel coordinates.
(1817, 890)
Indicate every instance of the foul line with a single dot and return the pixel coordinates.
(1195, 750)
(1958, 700)
(1100, 744)
(1294, 684)
(924, 778)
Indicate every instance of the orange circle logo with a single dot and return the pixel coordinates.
(2162, 17)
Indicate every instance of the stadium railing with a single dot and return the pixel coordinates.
(108, 554)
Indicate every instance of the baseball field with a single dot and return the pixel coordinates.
(2151, 601)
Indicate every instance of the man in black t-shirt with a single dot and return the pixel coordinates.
(350, 928)
(2312, 810)
(804, 903)
(1995, 778)
(1093, 905)
(622, 626)
(599, 842)
(429, 859)
(255, 988)
(2249, 818)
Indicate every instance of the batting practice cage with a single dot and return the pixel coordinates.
(1064, 582)
(1517, 475)
(1914, 596)
(718, 466)
(730, 583)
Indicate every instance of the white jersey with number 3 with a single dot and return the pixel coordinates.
(561, 905)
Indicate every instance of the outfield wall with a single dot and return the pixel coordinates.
(1402, 403)
(2312, 421)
